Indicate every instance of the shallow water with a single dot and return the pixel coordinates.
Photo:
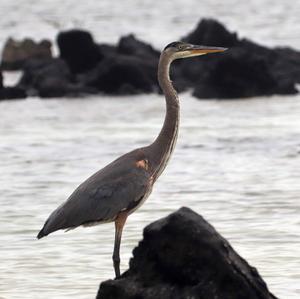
(236, 163)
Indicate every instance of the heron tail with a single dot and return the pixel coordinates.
(41, 234)
(50, 225)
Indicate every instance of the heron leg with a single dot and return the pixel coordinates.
(119, 224)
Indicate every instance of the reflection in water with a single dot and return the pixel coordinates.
(236, 163)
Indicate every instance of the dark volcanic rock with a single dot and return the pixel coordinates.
(245, 70)
(240, 75)
(212, 33)
(122, 74)
(148, 56)
(130, 68)
(129, 45)
(1, 80)
(16, 53)
(39, 74)
(288, 64)
(78, 49)
(50, 78)
(181, 257)
(10, 93)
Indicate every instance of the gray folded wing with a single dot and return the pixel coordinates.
(115, 188)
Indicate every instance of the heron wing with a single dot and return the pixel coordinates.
(117, 187)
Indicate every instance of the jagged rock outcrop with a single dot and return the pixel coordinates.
(50, 78)
(78, 49)
(182, 256)
(240, 75)
(16, 53)
(212, 33)
(245, 70)
(10, 93)
(130, 45)
(130, 67)
(121, 75)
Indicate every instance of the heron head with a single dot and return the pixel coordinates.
(184, 50)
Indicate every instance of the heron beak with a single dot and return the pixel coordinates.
(202, 50)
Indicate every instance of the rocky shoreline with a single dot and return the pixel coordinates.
(86, 67)
(182, 256)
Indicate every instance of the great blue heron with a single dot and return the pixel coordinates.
(117, 190)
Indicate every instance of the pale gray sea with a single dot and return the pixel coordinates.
(236, 162)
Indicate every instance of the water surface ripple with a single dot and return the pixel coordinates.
(236, 163)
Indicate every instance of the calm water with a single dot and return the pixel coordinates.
(236, 162)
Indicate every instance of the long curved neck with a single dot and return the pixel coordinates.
(162, 148)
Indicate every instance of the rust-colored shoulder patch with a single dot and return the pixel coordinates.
(142, 164)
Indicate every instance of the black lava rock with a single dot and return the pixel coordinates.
(130, 45)
(182, 256)
(12, 93)
(38, 73)
(9, 93)
(121, 75)
(212, 33)
(287, 65)
(245, 70)
(240, 75)
(1, 80)
(50, 78)
(78, 49)
(130, 68)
